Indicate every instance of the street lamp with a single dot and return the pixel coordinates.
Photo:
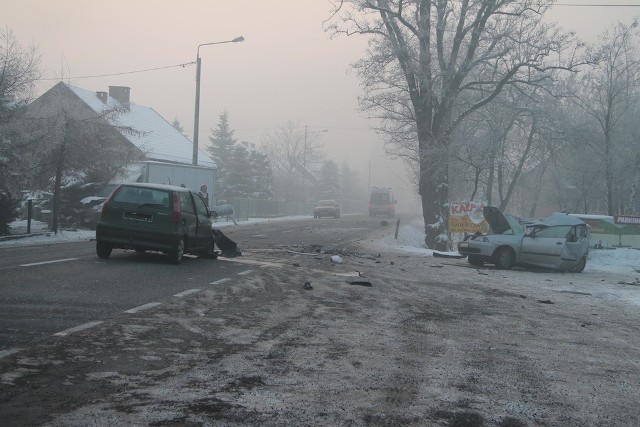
(304, 153)
(196, 120)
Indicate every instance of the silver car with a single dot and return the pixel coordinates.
(559, 242)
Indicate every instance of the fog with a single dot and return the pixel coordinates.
(287, 69)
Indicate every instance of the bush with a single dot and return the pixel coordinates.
(8, 212)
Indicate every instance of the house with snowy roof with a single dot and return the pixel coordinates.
(167, 153)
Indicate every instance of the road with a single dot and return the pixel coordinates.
(51, 288)
(283, 336)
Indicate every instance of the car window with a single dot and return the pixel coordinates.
(560, 231)
(201, 208)
(186, 203)
(143, 195)
(379, 198)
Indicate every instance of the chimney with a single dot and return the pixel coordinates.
(102, 96)
(120, 94)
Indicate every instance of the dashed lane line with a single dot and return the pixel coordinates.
(48, 262)
(221, 281)
(189, 292)
(142, 307)
(78, 328)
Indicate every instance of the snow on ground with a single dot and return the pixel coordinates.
(410, 240)
(620, 260)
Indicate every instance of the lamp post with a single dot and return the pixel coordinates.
(196, 120)
(304, 153)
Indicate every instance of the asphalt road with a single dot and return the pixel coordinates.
(282, 336)
(49, 289)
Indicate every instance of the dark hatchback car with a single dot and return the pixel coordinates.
(164, 218)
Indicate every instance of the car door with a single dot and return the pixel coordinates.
(189, 219)
(204, 221)
(544, 246)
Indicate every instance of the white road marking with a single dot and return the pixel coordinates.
(5, 353)
(48, 262)
(189, 292)
(287, 231)
(142, 307)
(244, 273)
(78, 328)
(221, 281)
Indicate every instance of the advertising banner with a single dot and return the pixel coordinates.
(466, 217)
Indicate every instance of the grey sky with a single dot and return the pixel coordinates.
(287, 68)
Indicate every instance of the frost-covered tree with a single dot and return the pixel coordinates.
(261, 176)
(328, 185)
(432, 64)
(75, 143)
(19, 69)
(177, 125)
(222, 146)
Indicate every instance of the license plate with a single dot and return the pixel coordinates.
(138, 216)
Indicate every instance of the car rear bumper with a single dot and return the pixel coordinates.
(131, 237)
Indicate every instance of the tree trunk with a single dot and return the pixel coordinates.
(434, 191)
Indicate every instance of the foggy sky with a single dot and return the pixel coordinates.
(286, 70)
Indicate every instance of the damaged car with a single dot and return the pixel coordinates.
(559, 242)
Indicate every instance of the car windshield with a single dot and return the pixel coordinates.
(379, 198)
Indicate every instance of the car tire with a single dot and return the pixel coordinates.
(176, 255)
(475, 260)
(579, 267)
(103, 249)
(505, 258)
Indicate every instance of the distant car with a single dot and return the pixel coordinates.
(382, 202)
(165, 218)
(326, 208)
(559, 242)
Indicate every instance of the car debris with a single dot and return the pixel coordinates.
(307, 286)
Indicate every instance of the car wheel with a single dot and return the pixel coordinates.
(176, 255)
(504, 258)
(103, 249)
(475, 260)
(579, 267)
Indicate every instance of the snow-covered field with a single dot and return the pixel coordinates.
(410, 239)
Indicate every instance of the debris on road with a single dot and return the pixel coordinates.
(307, 286)
(336, 259)
(360, 283)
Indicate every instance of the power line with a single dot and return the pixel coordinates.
(123, 73)
(595, 5)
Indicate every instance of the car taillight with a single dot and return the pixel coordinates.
(105, 205)
(176, 208)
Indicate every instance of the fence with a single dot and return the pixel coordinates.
(244, 208)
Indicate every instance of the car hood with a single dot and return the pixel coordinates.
(496, 219)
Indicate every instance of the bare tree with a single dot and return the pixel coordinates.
(431, 64)
(608, 92)
(76, 142)
(19, 69)
(290, 150)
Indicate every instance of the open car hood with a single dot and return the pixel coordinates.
(496, 219)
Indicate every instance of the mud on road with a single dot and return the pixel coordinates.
(430, 342)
